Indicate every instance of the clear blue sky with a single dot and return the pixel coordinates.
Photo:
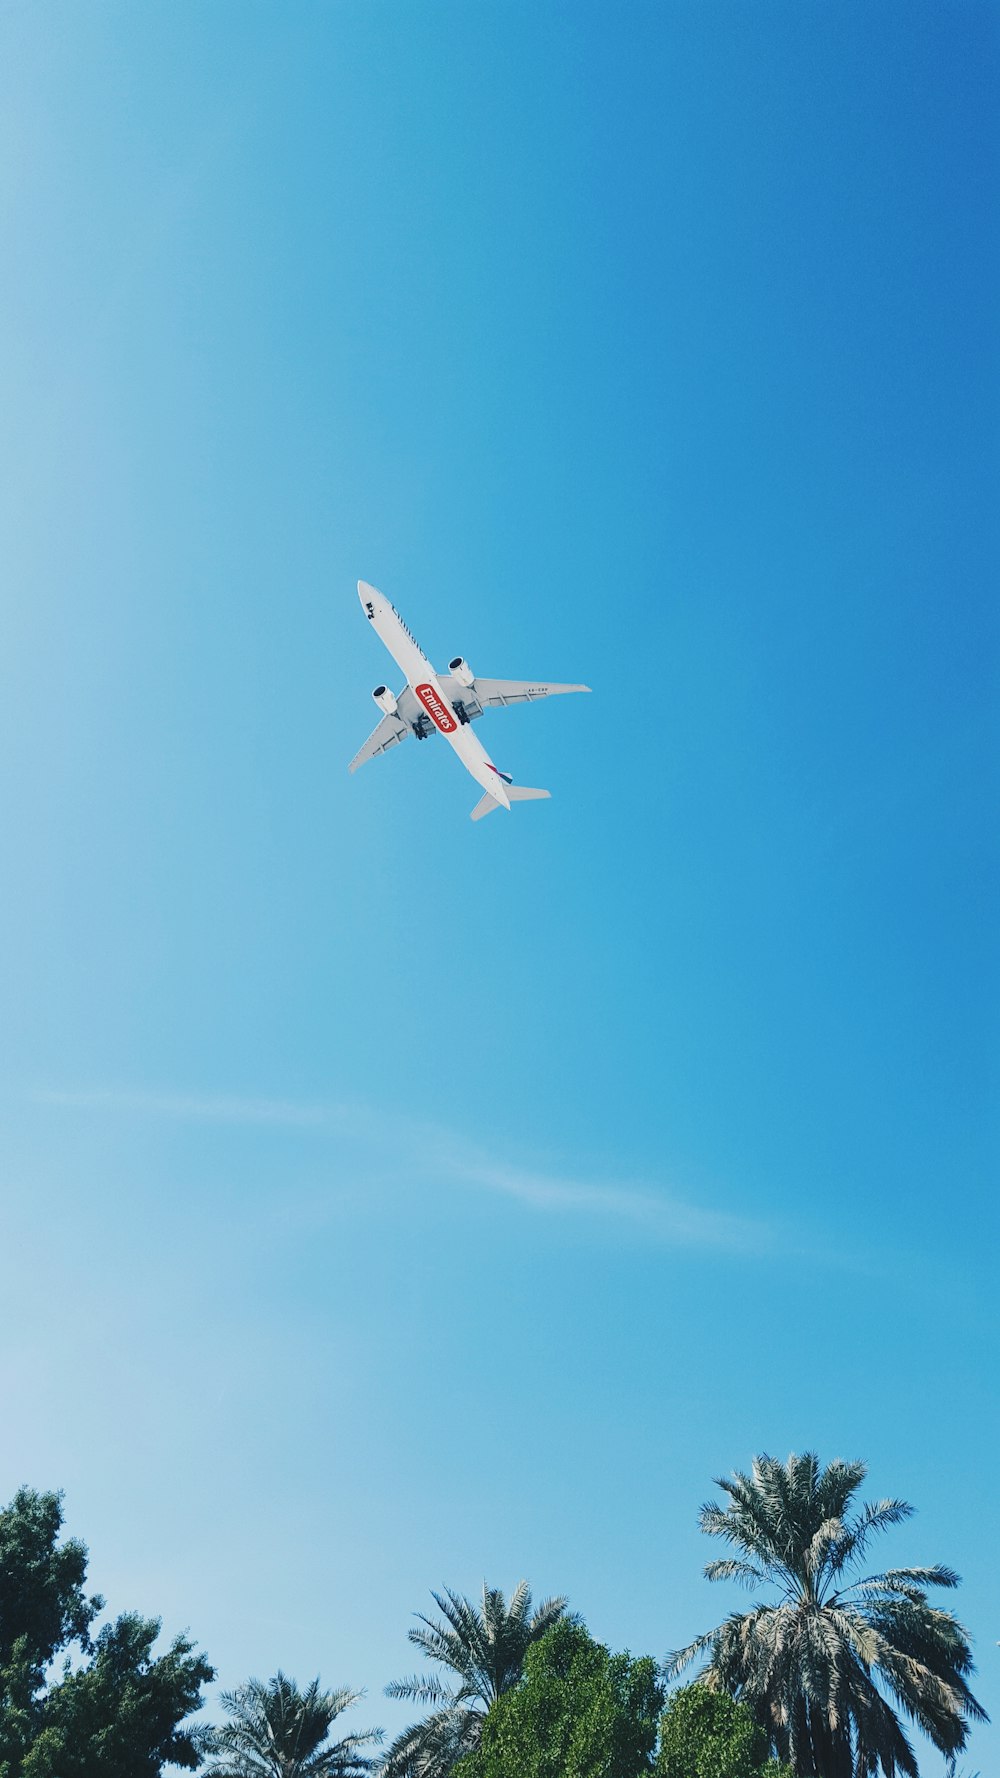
(391, 1201)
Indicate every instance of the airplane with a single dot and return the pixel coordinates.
(446, 704)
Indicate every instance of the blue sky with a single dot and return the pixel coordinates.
(391, 1201)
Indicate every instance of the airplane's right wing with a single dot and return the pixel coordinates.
(389, 731)
(517, 691)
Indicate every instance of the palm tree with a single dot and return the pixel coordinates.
(484, 1647)
(276, 1731)
(815, 1664)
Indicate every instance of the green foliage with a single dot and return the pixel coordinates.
(277, 1731)
(119, 1714)
(482, 1648)
(43, 1607)
(822, 1665)
(708, 1734)
(579, 1712)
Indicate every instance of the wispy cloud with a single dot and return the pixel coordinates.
(662, 1216)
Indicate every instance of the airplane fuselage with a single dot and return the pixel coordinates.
(427, 689)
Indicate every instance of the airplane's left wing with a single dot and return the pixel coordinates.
(517, 691)
(389, 731)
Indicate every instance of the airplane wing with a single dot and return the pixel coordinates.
(389, 731)
(490, 692)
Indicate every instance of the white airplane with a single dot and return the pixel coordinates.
(444, 703)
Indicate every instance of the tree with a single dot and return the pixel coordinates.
(277, 1731)
(706, 1734)
(120, 1716)
(43, 1609)
(579, 1712)
(821, 1666)
(120, 1713)
(484, 1647)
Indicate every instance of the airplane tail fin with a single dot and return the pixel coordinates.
(518, 793)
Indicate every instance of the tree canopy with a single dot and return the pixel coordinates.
(43, 1607)
(578, 1712)
(120, 1715)
(120, 1712)
(706, 1734)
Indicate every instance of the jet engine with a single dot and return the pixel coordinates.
(384, 699)
(461, 671)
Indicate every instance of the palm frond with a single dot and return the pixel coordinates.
(876, 1516)
(679, 1658)
(421, 1688)
(746, 1574)
(551, 1611)
(936, 1575)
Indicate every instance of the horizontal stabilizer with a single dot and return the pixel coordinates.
(518, 793)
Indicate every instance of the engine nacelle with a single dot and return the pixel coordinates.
(461, 671)
(385, 700)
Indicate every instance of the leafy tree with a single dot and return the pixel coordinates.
(43, 1609)
(119, 1716)
(484, 1647)
(579, 1712)
(814, 1665)
(277, 1731)
(120, 1713)
(706, 1734)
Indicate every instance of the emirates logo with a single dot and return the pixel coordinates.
(436, 708)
